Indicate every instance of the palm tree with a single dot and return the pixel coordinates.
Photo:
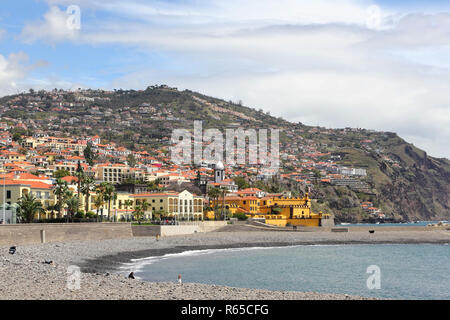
(158, 214)
(140, 210)
(87, 185)
(214, 193)
(28, 207)
(127, 204)
(109, 195)
(61, 190)
(113, 198)
(99, 202)
(144, 206)
(80, 176)
(223, 191)
(52, 209)
(73, 204)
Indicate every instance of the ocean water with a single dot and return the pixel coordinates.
(406, 271)
(407, 224)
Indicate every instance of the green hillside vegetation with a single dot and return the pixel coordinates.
(403, 181)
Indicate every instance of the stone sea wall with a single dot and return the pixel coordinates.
(19, 234)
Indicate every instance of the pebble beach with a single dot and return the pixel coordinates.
(40, 271)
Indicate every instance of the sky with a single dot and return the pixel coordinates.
(381, 65)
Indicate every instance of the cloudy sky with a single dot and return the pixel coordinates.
(382, 65)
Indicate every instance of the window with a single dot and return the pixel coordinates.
(160, 200)
(8, 194)
(153, 201)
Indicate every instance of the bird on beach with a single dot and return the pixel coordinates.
(131, 275)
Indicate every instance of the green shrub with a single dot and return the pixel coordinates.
(240, 216)
(276, 210)
(90, 214)
(79, 214)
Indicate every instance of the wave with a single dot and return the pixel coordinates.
(137, 264)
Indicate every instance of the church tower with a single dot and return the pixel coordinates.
(219, 172)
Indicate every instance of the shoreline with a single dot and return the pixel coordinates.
(28, 277)
(110, 263)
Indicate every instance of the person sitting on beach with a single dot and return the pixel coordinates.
(131, 275)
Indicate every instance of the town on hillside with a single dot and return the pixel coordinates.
(50, 138)
(66, 178)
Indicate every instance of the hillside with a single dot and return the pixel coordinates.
(392, 175)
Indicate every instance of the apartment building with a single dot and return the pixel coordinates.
(182, 205)
(112, 173)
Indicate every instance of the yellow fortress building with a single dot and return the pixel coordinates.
(279, 211)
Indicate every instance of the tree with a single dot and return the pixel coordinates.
(73, 203)
(140, 210)
(80, 176)
(153, 185)
(127, 204)
(109, 195)
(223, 193)
(61, 190)
(17, 136)
(52, 208)
(99, 202)
(158, 214)
(28, 207)
(214, 194)
(87, 185)
(131, 160)
(241, 183)
(61, 173)
(89, 154)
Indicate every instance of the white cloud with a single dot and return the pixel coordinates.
(13, 69)
(327, 62)
(15, 73)
(55, 27)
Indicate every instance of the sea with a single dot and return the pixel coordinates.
(388, 224)
(397, 271)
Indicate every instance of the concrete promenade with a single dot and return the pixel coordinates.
(20, 234)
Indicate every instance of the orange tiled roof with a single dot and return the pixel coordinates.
(154, 194)
(70, 179)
